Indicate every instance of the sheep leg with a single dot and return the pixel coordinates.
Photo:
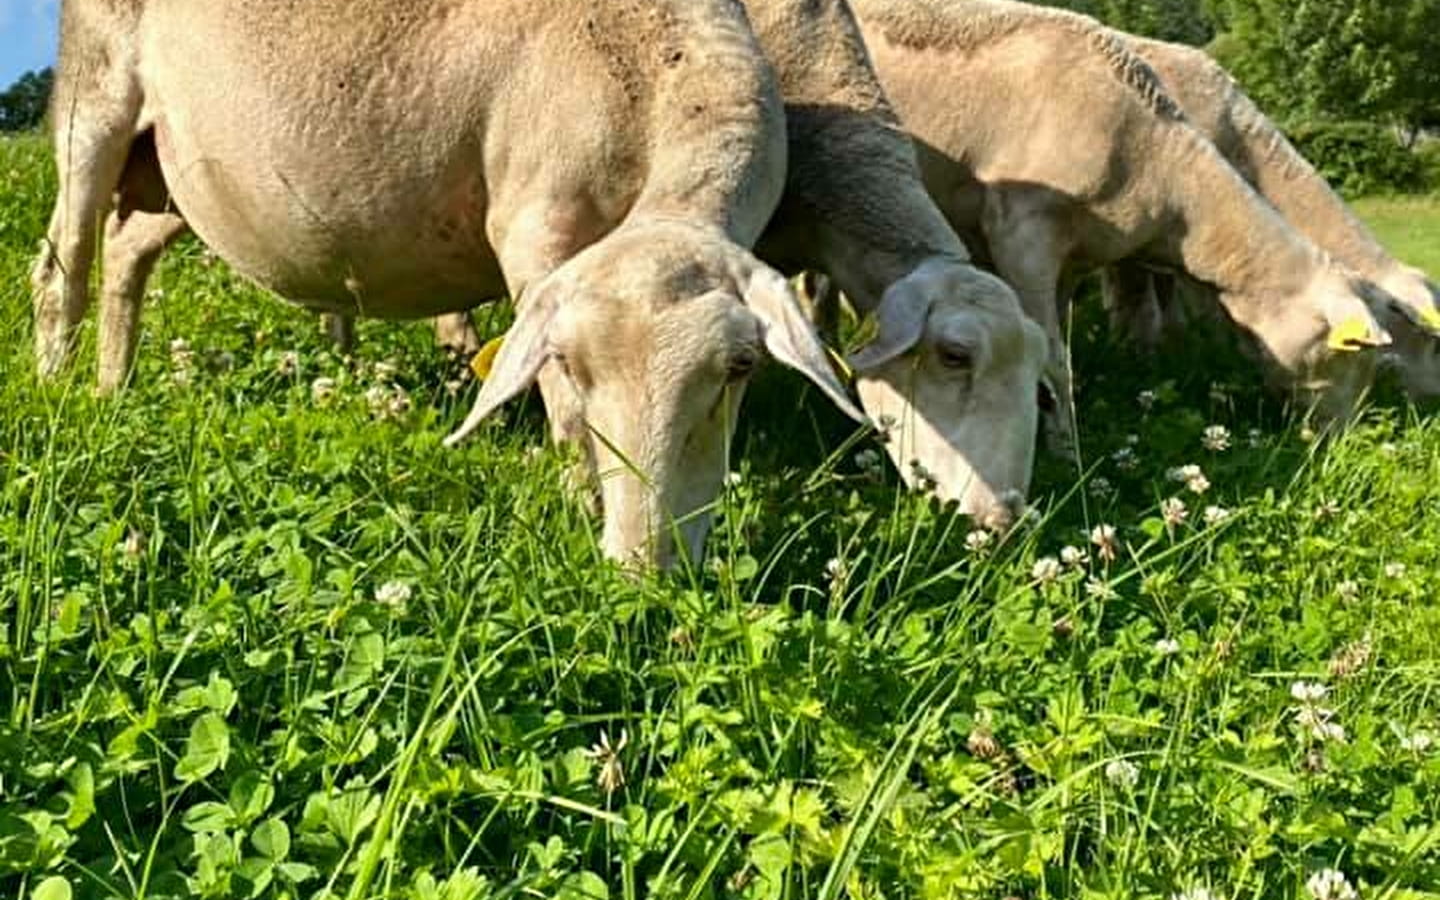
(92, 142)
(1029, 255)
(534, 244)
(133, 243)
(340, 328)
(1131, 300)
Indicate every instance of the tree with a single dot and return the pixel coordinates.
(1337, 59)
(23, 104)
(1186, 21)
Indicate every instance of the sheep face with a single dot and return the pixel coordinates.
(1407, 309)
(649, 338)
(953, 379)
(1321, 344)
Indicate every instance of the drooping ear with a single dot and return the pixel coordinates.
(900, 318)
(517, 362)
(789, 336)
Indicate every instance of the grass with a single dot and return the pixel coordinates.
(1407, 227)
(259, 642)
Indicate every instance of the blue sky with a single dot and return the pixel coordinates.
(27, 37)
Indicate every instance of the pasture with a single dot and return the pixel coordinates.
(262, 636)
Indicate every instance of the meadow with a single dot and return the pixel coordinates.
(262, 636)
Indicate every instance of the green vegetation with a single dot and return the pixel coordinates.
(261, 636)
(1409, 226)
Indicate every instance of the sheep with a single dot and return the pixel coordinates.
(609, 163)
(954, 369)
(1403, 298)
(1052, 148)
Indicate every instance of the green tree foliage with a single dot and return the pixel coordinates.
(23, 104)
(1337, 59)
(1185, 21)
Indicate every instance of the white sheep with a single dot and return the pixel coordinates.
(1055, 149)
(607, 162)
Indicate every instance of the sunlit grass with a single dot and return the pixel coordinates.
(256, 641)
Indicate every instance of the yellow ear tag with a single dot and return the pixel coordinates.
(1431, 317)
(484, 359)
(1349, 335)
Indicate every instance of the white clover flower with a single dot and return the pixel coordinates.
(1215, 515)
(1099, 589)
(1100, 487)
(1173, 511)
(1104, 539)
(1146, 399)
(289, 363)
(1419, 742)
(1122, 773)
(1126, 459)
(835, 570)
(612, 771)
(454, 386)
(1395, 570)
(1320, 724)
(1195, 893)
(134, 544)
(1330, 884)
(1046, 569)
(182, 359)
(1347, 589)
(322, 390)
(1216, 439)
(734, 479)
(868, 461)
(377, 397)
(399, 403)
(1389, 449)
(1309, 692)
(1167, 647)
(924, 479)
(385, 371)
(979, 540)
(1192, 476)
(393, 593)
(1073, 557)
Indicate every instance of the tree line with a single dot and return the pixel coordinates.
(1305, 60)
(23, 104)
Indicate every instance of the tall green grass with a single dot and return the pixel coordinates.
(261, 641)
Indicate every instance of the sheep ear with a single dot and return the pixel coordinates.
(790, 337)
(900, 318)
(516, 361)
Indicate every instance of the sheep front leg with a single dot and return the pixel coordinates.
(1029, 255)
(132, 246)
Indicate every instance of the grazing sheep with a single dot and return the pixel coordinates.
(1404, 299)
(607, 162)
(955, 364)
(1055, 149)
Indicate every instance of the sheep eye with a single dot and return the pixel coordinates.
(954, 357)
(741, 364)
